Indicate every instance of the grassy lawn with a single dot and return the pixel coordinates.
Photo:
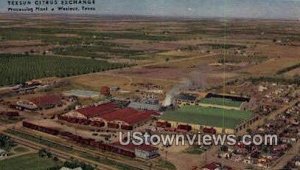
(207, 116)
(165, 164)
(221, 102)
(27, 162)
(20, 149)
(103, 50)
(40, 140)
(195, 150)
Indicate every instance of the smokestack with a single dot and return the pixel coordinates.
(196, 80)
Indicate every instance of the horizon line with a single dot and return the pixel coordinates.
(161, 17)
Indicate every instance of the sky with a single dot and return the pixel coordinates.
(274, 9)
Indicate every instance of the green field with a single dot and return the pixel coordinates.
(165, 164)
(207, 116)
(17, 68)
(27, 162)
(47, 35)
(20, 149)
(98, 50)
(221, 102)
(195, 150)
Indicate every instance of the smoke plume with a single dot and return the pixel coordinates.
(175, 91)
(195, 80)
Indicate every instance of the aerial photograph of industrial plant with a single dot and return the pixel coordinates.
(149, 84)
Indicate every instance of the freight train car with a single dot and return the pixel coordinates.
(48, 130)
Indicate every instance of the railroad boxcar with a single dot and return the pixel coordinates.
(209, 130)
(184, 127)
(113, 125)
(126, 127)
(163, 124)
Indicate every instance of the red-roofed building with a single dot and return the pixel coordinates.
(127, 116)
(96, 111)
(41, 102)
(92, 112)
(153, 113)
(105, 90)
(112, 115)
(215, 166)
(47, 101)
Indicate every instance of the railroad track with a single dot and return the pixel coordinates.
(138, 164)
(58, 153)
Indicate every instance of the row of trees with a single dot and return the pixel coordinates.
(18, 68)
(277, 79)
(6, 143)
(72, 164)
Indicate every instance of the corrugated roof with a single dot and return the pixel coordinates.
(111, 112)
(184, 96)
(143, 106)
(42, 101)
(128, 115)
(95, 111)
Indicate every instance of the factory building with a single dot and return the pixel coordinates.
(110, 115)
(141, 151)
(185, 99)
(41, 102)
(144, 106)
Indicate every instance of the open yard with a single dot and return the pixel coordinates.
(208, 116)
